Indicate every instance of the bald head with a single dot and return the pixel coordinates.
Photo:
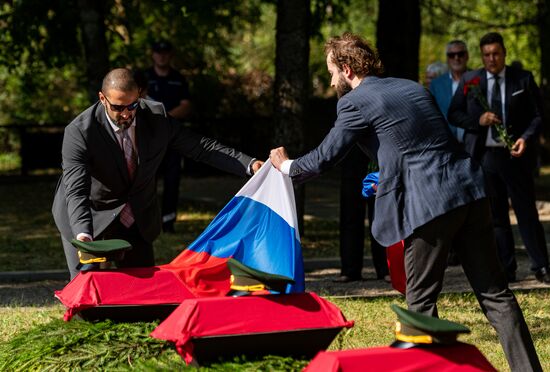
(120, 79)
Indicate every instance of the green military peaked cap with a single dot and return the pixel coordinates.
(247, 279)
(416, 328)
(101, 250)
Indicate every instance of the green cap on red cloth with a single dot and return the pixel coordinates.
(246, 279)
(101, 250)
(416, 328)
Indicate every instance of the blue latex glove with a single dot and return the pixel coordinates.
(370, 184)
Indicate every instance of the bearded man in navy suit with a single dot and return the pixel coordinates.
(431, 193)
(515, 104)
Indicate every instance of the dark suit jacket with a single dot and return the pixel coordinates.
(423, 171)
(95, 183)
(522, 109)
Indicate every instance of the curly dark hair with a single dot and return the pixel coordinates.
(355, 52)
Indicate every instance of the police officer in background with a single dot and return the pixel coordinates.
(168, 86)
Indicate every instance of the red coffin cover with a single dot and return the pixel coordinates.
(190, 275)
(222, 316)
(458, 357)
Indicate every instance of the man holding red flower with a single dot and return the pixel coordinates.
(499, 107)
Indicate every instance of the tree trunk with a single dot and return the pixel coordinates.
(544, 42)
(96, 53)
(398, 37)
(291, 83)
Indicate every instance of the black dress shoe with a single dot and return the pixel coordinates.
(511, 277)
(543, 275)
(347, 279)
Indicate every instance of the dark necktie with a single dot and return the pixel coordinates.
(496, 105)
(126, 215)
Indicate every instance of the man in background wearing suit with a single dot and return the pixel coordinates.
(515, 103)
(444, 87)
(111, 153)
(168, 86)
(431, 193)
(353, 207)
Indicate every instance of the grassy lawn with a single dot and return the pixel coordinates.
(34, 338)
(29, 239)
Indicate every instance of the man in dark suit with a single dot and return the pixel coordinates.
(168, 86)
(444, 87)
(515, 104)
(353, 207)
(111, 153)
(431, 193)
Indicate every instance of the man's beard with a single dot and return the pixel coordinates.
(342, 87)
(123, 124)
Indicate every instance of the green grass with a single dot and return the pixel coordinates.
(37, 339)
(29, 239)
(34, 338)
(9, 162)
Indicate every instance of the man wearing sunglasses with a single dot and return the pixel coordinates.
(509, 98)
(111, 153)
(444, 87)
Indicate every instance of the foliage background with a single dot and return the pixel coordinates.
(226, 49)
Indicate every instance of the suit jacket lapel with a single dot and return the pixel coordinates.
(483, 83)
(141, 139)
(508, 89)
(449, 82)
(483, 88)
(111, 141)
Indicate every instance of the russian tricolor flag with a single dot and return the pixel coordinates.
(258, 227)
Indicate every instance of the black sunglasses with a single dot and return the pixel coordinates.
(456, 54)
(119, 108)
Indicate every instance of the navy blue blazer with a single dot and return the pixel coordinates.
(522, 108)
(423, 171)
(442, 89)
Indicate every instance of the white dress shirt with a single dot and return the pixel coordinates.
(118, 133)
(490, 142)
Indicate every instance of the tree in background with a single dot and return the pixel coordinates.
(96, 53)
(543, 7)
(52, 53)
(292, 82)
(398, 37)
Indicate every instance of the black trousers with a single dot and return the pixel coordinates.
(513, 178)
(353, 207)
(469, 229)
(140, 255)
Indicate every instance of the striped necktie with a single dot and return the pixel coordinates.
(126, 215)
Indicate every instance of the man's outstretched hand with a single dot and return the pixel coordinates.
(278, 156)
(256, 166)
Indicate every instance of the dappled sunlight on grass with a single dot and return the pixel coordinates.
(375, 323)
(15, 319)
(196, 216)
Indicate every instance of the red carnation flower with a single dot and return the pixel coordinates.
(474, 82)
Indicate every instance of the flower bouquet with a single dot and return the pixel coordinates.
(472, 87)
